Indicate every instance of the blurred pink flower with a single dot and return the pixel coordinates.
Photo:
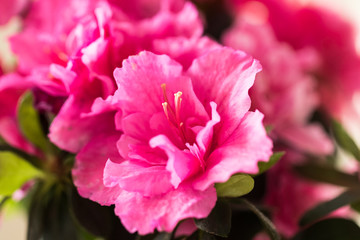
(284, 91)
(8, 9)
(12, 86)
(327, 33)
(173, 149)
(290, 196)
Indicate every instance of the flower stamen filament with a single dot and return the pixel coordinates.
(174, 116)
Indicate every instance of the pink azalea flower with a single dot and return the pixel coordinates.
(181, 133)
(331, 36)
(47, 38)
(284, 91)
(12, 86)
(9, 9)
(184, 50)
(78, 120)
(56, 31)
(290, 196)
(81, 46)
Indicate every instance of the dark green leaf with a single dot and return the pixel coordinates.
(238, 185)
(98, 220)
(14, 172)
(327, 174)
(269, 226)
(264, 166)
(163, 236)
(2, 141)
(49, 217)
(218, 222)
(330, 229)
(323, 209)
(29, 122)
(155, 236)
(356, 206)
(344, 140)
(206, 236)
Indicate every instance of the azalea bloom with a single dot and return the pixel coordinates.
(330, 35)
(290, 196)
(75, 58)
(12, 87)
(284, 91)
(9, 9)
(181, 133)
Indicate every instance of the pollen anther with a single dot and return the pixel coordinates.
(165, 107)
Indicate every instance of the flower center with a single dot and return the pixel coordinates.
(173, 115)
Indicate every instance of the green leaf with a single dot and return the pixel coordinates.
(238, 185)
(344, 140)
(33, 160)
(269, 128)
(206, 236)
(163, 236)
(14, 172)
(29, 122)
(264, 166)
(269, 226)
(154, 236)
(323, 209)
(356, 206)
(330, 229)
(327, 174)
(96, 219)
(49, 217)
(219, 220)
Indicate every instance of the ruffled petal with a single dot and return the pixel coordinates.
(240, 153)
(138, 177)
(181, 164)
(163, 212)
(225, 82)
(89, 168)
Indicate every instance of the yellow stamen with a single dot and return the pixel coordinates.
(165, 107)
(177, 101)
(173, 117)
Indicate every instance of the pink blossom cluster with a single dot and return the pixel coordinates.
(156, 112)
(310, 62)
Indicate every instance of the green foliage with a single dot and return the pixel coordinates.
(238, 185)
(323, 209)
(98, 220)
(268, 225)
(29, 122)
(327, 174)
(344, 140)
(14, 172)
(330, 229)
(356, 206)
(219, 220)
(49, 216)
(264, 166)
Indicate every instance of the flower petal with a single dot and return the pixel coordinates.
(89, 168)
(240, 153)
(181, 164)
(163, 212)
(137, 177)
(225, 82)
